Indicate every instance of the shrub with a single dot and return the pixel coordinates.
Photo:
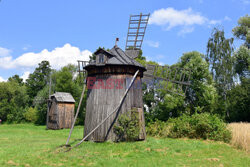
(31, 115)
(158, 129)
(127, 127)
(200, 126)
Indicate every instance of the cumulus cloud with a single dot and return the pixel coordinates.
(58, 58)
(4, 52)
(152, 44)
(170, 18)
(2, 80)
(25, 75)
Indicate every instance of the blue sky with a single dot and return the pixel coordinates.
(63, 31)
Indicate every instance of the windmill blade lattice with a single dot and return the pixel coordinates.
(82, 72)
(177, 80)
(136, 32)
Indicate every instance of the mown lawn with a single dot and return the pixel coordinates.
(30, 145)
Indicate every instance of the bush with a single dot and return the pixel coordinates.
(158, 129)
(31, 115)
(200, 126)
(127, 127)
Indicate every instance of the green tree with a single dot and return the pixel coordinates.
(201, 96)
(41, 105)
(242, 62)
(219, 56)
(13, 101)
(67, 80)
(16, 79)
(239, 102)
(38, 79)
(242, 31)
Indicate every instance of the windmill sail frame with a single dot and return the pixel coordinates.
(177, 77)
(136, 32)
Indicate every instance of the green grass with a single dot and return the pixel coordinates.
(29, 145)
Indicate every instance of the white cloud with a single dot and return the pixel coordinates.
(173, 18)
(25, 75)
(186, 19)
(58, 58)
(2, 80)
(213, 22)
(226, 18)
(4, 52)
(152, 44)
(185, 30)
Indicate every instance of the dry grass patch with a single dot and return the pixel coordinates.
(240, 135)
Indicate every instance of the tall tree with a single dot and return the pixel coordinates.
(38, 79)
(219, 56)
(242, 62)
(13, 100)
(17, 79)
(242, 31)
(201, 96)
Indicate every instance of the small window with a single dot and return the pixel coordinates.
(101, 58)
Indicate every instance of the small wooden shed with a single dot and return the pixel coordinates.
(61, 111)
(107, 80)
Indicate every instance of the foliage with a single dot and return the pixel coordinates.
(205, 126)
(239, 102)
(67, 81)
(242, 62)
(16, 78)
(13, 100)
(42, 105)
(200, 126)
(42, 146)
(127, 127)
(158, 129)
(140, 57)
(31, 114)
(38, 79)
(201, 95)
(219, 56)
(242, 31)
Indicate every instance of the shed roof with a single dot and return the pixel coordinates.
(117, 57)
(63, 97)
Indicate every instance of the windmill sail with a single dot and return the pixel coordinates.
(136, 32)
(177, 80)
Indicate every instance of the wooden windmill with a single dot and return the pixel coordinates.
(104, 103)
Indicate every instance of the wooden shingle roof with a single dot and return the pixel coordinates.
(63, 97)
(116, 56)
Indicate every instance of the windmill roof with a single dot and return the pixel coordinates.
(63, 97)
(117, 57)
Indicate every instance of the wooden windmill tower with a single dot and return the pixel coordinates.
(109, 80)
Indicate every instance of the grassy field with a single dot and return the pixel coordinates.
(29, 145)
(241, 135)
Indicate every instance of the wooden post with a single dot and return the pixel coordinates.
(77, 112)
